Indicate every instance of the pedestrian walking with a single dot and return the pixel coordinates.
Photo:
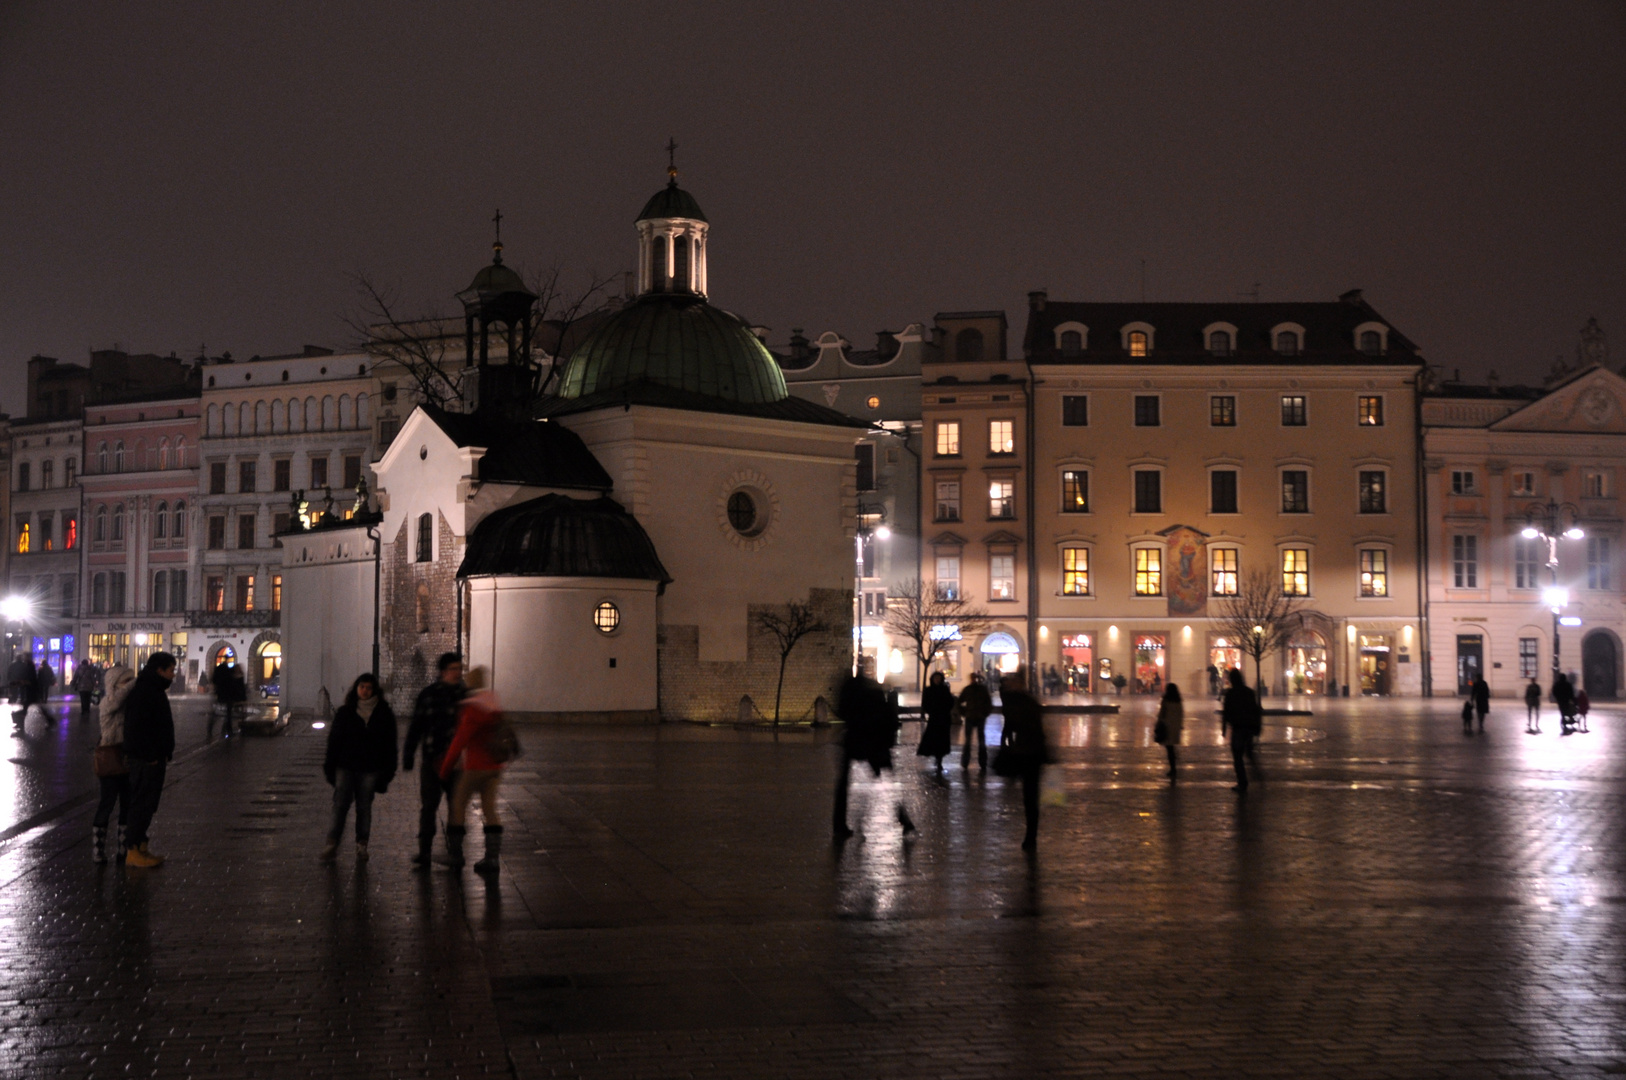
(974, 706)
(1171, 723)
(46, 678)
(22, 684)
(112, 771)
(485, 743)
(360, 761)
(231, 692)
(1022, 751)
(1564, 698)
(937, 703)
(1214, 688)
(871, 730)
(434, 722)
(1583, 705)
(87, 683)
(1481, 699)
(1241, 714)
(149, 744)
(1532, 707)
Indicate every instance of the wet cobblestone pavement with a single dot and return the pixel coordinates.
(1395, 900)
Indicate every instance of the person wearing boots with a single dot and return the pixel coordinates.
(115, 786)
(149, 744)
(360, 761)
(477, 722)
(434, 722)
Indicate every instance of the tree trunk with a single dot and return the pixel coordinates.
(779, 689)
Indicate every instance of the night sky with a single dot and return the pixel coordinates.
(175, 175)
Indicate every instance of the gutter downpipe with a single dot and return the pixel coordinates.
(378, 564)
(1424, 651)
(1031, 441)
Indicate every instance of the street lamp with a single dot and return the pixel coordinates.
(866, 535)
(1547, 523)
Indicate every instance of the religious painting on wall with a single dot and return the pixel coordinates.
(1187, 572)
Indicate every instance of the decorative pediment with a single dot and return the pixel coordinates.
(947, 539)
(1593, 401)
(1177, 528)
(1002, 537)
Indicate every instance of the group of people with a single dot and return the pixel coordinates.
(1573, 705)
(872, 726)
(456, 726)
(27, 686)
(1241, 721)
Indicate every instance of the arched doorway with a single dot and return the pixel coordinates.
(1599, 660)
(1000, 654)
(1306, 663)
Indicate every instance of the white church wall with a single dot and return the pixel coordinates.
(537, 637)
(327, 615)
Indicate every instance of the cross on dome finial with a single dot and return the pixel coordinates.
(671, 160)
(496, 245)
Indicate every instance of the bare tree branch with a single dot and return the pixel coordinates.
(788, 627)
(419, 347)
(1259, 618)
(917, 614)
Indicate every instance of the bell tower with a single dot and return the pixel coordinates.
(497, 305)
(672, 239)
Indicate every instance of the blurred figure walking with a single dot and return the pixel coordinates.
(87, 683)
(1022, 752)
(230, 693)
(360, 761)
(975, 704)
(485, 743)
(871, 731)
(434, 722)
(937, 704)
(1171, 723)
(23, 686)
(1481, 698)
(1241, 714)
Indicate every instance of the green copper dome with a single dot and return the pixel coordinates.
(672, 201)
(679, 341)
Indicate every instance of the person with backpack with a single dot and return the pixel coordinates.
(434, 722)
(484, 743)
(112, 772)
(1241, 714)
(360, 761)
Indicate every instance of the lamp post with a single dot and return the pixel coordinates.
(1547, 523)
(867, 534)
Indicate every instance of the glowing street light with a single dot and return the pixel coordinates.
(1547, 524)
(16, 608)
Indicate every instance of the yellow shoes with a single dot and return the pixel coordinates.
(140, 856)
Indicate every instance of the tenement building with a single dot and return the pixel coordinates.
(1105, 499)
(45, 532)
(1523, 489)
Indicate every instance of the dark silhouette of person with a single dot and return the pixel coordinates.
(149, 744)
(24, 686)
(1481, 695)
(434, 723)
(1241, 715)
(937, 702)
(1171, 717)
(1022, 743)
(1564, 698)
(1532, 707)
(975, 704)
(871, 730)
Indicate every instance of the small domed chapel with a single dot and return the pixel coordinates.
(607, 557)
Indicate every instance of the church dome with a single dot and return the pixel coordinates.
(675, 340)
(558, 536)
(672, 201)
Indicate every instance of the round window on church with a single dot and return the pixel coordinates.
(744, 514)
(606, 617)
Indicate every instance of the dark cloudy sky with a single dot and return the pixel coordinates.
(179, 174)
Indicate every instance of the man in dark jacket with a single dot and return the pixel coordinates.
(21, 680)
(231, 691)
(1241, 714)
(975, 704)
(149, 744)
(871, 732)
(434, 722)
(1481, 696)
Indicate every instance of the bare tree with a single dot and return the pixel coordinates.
(1259, 617)
(788, 627)
(916, 613)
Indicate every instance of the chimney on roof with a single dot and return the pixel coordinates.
(886, 344)
(1492, 380)
(798, 345)
(1037, 299)
(1353, 296)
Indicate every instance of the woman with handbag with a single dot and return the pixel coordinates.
(1171, 723)
(112, 773)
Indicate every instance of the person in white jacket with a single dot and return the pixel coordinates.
(110, 754)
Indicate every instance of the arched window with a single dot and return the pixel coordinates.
(1287, 342)
(279, 417)
(262, 418)
(1371, 343)
(364, 412)
(160, 521)
(347, 413)
(179, 532)
(180, 452)
(296, 415)
(101, 457)
(1137, 343)
(160, 592)
(100, 532)
(1072, 343)
(657, 264)
(680, 263)
(426, 537)
(313, 415)
(213, 423)
(163, 453)
(22, 538)
(1219, 343)
(118, 523)
(118, 456)
(47, 473)
(70, 467)
(968, 344)
(246, 411)
(228, 416)
(330, 414)
(70, 533)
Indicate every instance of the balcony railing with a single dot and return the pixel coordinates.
(221, 620)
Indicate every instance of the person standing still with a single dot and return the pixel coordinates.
(434, 722)
(1171, 717)
(114, 788)
(149, 744)
(975, 704)
(477, 721)
(938, 705)
(1532, 707)
(1481, 696)
(1021, 741)
(360, 761)
(1240, 713)
(230, 691)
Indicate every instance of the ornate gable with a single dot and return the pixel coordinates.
(1593, 401)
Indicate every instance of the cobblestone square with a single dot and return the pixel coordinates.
(1395, 900)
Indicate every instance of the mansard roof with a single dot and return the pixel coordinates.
(558, 536)
(531, 452)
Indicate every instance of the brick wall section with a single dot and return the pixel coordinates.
(420, 612)
(704, 691)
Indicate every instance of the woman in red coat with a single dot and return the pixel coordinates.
(477, 721)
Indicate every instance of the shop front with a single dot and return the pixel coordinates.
(1001, 655)
(56, 650)
(1223, 655)
(1375, 660)
(1306, 663)
(1077, 659)
(1151, 661)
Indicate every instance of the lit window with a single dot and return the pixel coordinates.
(1222, 410)
(276, 592)
(1465, 561)
(1002, 577)
(23, 537)
(1296, 572)
(1075, 571)
(1075, 492)
(1001, 439)
(948, 577)
(873, 402)
(1148, 572)
(606, 617)
(1528, 657)
(1524, 483)
(1373, 498)
(1293, 414)
(948, 500)
(948, 438)
(70, 533)
(1371, 411)
(1001, 499)
(1137, 343)
(245, 592)
(1222, 564)
(1374, 572)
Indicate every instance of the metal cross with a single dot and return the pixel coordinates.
(671, 155)
(497, 220)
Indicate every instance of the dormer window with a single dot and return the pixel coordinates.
(1287, 342)
(1372, 338)
(1219, 343)
(1072, 343)
(1137, 343)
